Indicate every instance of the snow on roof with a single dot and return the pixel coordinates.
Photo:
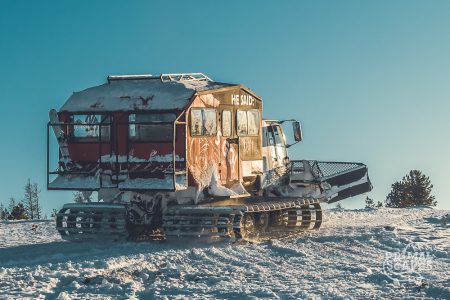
(145, 93)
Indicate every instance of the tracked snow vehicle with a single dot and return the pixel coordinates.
(183, 155)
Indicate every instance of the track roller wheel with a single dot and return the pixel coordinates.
(306, 218)
(319, 216)
(311, 216)
(254, 224)
(248, 226)
(262, 221)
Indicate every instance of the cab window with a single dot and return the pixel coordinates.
(253, 122)
(203, 121)
(248, 122)
(226, 123)
(90, 127)
(151, 127)
(275, 135)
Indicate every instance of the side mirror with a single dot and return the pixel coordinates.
(297, 131)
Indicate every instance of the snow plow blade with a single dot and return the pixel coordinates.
(350, 190)
(338, 180)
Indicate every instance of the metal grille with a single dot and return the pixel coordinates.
(297, 166)
(331, 168)
(323, 168)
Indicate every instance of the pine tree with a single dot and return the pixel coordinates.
(37, 205)
(31, 200)
(396, 195)
(28, 199)
(419, 189)
(12, 203)
(369, 202)
(18, 213)
(379, 204)
(414, 189)
(3, 213)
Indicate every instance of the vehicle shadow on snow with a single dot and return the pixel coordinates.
(62, 251)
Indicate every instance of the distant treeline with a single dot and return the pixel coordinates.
(28, 208)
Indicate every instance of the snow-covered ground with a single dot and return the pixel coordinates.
(349, 257)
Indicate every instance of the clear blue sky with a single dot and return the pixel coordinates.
(369, 80)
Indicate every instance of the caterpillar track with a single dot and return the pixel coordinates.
(92, 221)
(251, 221)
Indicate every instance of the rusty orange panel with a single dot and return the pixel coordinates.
(216, 153)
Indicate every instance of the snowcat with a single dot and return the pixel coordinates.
(182, 155)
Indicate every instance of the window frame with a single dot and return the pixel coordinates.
(246, 115)
(231, 122)
(136, 139)
(102, 123)
(191, 119)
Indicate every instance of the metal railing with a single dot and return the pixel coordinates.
(116, 169)
(184, 77)
(94, 166)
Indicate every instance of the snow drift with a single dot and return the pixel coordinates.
(344, 259)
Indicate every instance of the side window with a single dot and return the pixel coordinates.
(279, 139)
(210, 121)
(253, 122)
(89, 127)
(203, 121)
(270, 135)
(248, 122)
(265, 140)
(226, 122)
(151, 127)
(241, 122)
(196, 122)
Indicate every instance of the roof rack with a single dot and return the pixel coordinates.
(130, 77)
(185, 77)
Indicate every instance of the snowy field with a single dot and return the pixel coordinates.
(348, 258)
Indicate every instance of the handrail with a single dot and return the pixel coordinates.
(115, 166)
